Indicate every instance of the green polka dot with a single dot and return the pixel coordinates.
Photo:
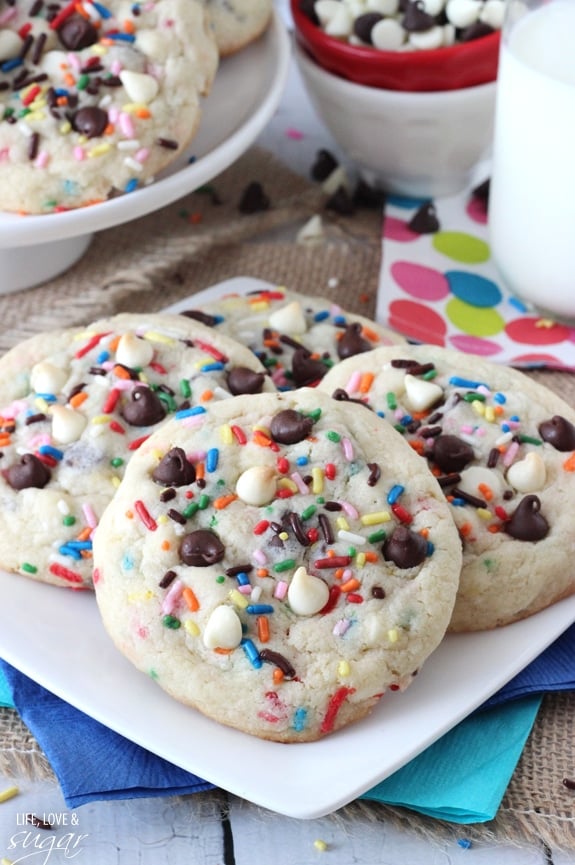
(461, 247)
(472, 319)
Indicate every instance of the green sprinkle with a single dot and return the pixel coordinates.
(153, 675)
(320, 500)
(429, 375)
(24, 112)
(117, 462)
(221, 483)
(333, 436)
(203, 502)
(167, 399)
(391, 400)
(286, 565)
(377, 536)
(69, 520)
(220, 579)
(185, 388)
(270, 361)
(190, 510)
(314, 415)
(171, 622)
(82, 82)
(529, 440)
(399, 427)
(309, 512)
(28, 568)
(352, 552)
(473, 396)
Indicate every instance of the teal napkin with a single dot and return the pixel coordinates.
(5, 692)
(462, 777)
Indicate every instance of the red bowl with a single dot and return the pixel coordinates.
(465, 64)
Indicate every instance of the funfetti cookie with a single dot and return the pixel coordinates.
(279, 562)
(97, 98)
(298, 338)
(502, 447)
(237, 23)
(75, 405)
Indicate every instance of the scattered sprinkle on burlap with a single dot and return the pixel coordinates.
(201, 240)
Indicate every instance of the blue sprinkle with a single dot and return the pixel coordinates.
(380, 413)
(213, 367)
(49, 397)
(103, 357)
(505, 427)
(252, 654)
(79, 545)
(131, 185)
(339, 319)
(259, 609)
(190, 412)
(121, 37)
(465, 382)
(302, 461)
(242, 579)
(518, 304)
(11, 64)
(127, 562)
(102, 10)
(514, 417)
(500, 398)
(321, 316)
(406, 420)
(66, 550)
(395, 492)
(299, 719)
(458, 503)
(465, 843)
(430, 548)
(51, 452)
(212, 457)
(61, 91)
(191, 160)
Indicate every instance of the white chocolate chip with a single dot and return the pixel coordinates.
(152, 45)
(340, 22)
(257, 485)
(67, 424)
(223, 629)
(527, 475)
(47, 378)
(289, 319)
(10, 45)
(387, 35)
(139, 86)
(421, 394)
(311, 233)
(427, 39)
(433, 7)
(133, 351)
(463, 13)
(384, 7)
(492, 13)
(476, 477)
(307, 594)
(337, 178)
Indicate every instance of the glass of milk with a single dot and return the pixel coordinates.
(532, 194)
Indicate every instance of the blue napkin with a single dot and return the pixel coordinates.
(461, 778)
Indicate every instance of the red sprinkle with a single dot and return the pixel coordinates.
(354, 598)
(115, 427)
(47, 460)
(261, 527)
(133, 446)
(24, 30)
(145, 515)
(333, 562)
(334, 593)
(330, 471)
(284, 494)
(64, 13)
(211, 350)
(501, 513)
(31, 95)
(65, 573)
(401, 514)
(93, 342)
(239, 434)
(111, 400)
(283, 465)
(312, 535)
(333, 707)
(157, 367)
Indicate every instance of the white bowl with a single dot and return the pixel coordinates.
(415, 144)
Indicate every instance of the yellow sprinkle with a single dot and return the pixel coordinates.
(36, 114)
(157, 454)
(490, 414)
(99, 150)
(141, 596)
(343, 669)
(9, 793)
(99, 49)
(483, 513)
(162, 519)
(374, 518)
(116, 482)
(191, 628)
(259, 305)
(238, 599)
(317, 480)
(393, 635)
(287, 484)
(226, 434)
(41, 404)
(101, 418)
(342, 523)
(478, 407)
(320, 845)
(360, 560)
(65, 127)
(154, 336)
(283, 536)
(133, 107)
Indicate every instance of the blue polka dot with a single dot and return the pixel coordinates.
(404, 202)
(473, 289)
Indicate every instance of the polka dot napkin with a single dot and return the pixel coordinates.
(439, 284)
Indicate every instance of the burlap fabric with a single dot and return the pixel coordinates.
(203, 239)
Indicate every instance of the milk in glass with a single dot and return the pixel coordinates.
(532, 196)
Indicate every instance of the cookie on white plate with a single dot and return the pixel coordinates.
(75, 405)
(297, 337)
(503, 447)
(237, 23)
(97, 98)
(279, 564)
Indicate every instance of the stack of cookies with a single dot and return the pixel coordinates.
(97, 98)
(282, 507)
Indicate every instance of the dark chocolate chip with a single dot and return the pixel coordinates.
(76, 33)
(201, 549)
(527, 523)
(352, 342)
(306, 370)
(144, 408)
(416, 19)
(174, 470)
(477, 30)
(253, 199)
(240, 379)
(342, 395)
(559, 432)
(289, 426)
(425, 220)
(203, 317)
(451, 453)
(91, 121)
(340, 202)
(368, 197)
(405, 548)
(324, 165)
(307, 7)
(29, 472)
(481, 192)
(364, 24)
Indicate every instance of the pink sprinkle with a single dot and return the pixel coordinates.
(42, 159)
(74, 61)
(294, 134)
(353, 383)
(127, 384)
(278, 376)
(114, 114)
(483, 389)
(39, 440)
(126, 124)
(8, 15)
(197, 456)
(467, 429)
(510, 453)
(398, 413)
(173, 595)
(142, 154)
(349, 510)
(260, 557)
(347, 574)
(115, 67)
(299, 482)
(14, 409)
(347, 449)
(79, 153)
(341, 627)
(194, 420)
(245, 590)
(4, 154)
(281, 590)
(90, 516)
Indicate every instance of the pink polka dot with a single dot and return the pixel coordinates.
(477, 211)
(397, 229)
(534, 359)
(527, 331)
(419, 281)
(475, 345)
(417, 321)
